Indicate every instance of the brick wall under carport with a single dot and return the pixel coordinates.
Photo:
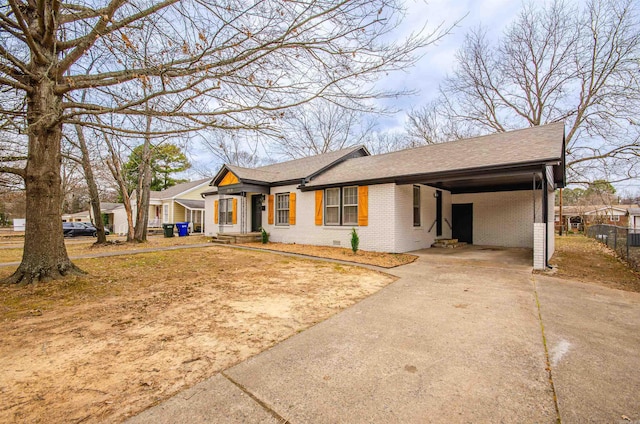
(503, 218)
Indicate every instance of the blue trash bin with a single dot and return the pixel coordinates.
(183, 228)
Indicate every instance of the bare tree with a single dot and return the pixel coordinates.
(228, 65)
(319, 127)
(236, 148)
(557, 62)
(429, 125)
(380, 142)
(87, 169)
(115, 163)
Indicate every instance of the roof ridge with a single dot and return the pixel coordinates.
(333, 152)
(470, 139)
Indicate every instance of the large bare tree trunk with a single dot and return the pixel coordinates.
(93, 188)
(45, 255)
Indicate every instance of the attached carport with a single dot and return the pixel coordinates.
(500, 186)
(490, 207)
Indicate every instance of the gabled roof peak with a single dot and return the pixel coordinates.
(294, 170)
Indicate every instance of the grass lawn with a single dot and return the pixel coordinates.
(584, 259)
(139, 328)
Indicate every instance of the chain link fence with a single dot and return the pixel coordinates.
(624, 241)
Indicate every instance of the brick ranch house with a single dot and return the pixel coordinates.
(495, 190)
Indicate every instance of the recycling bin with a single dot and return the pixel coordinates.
(183, 228)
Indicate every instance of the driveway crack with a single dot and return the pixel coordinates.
(266, 407)
(546, 351)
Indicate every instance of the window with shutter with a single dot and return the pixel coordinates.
(282, 209)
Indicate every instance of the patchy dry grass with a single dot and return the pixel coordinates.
(384, 260)
(139, 328)
(12, 251)
(584, 259)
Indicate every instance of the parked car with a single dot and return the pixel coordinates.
(73, 229)
(94, 229)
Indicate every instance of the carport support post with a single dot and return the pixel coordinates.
(540, 236)
(545, 213)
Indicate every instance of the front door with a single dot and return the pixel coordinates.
(256, 213)
(462, 217)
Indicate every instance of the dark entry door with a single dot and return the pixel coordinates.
(256, 213)
(462, 217)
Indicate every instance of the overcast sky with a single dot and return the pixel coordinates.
(438, 60)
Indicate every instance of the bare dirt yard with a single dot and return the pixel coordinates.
(584, 259)
(139, 328)
(384, 260)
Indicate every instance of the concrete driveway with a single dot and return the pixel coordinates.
(459, 337)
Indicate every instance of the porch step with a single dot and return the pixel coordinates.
(448, 243)
(215, 240)
(236, 238)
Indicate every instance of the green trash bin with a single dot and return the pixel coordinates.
(168, 230)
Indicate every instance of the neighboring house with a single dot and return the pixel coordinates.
(115, 217)
(575, 217)
(634, 218)
(180, 203)
(83, 216)
(493, 190)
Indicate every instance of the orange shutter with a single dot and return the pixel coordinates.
(215, 211)
(234, 212)
(292, 209)
(270, 211)
(363, 206)
(319, 194)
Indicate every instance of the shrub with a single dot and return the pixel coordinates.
(355, 240)
(264, 236)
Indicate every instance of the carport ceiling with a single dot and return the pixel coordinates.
(478, 182)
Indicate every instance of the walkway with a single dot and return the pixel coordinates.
(457, 338)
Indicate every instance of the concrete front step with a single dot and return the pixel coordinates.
(448, 243)
(215, 240)
(222, 238)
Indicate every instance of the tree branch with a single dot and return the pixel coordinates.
(15, 171)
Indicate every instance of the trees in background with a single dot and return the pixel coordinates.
(165, 159)
(576, 63)
(185, 65)
(598, 192)
(320, 127)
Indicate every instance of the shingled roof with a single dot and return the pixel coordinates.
(291, 171)
(531, 146)
(177, 189)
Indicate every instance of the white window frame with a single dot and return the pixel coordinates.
(283, 204)
(615, 218)
(225, 211)
(165, 213)
(341, 206)
(332, 206)
(346, 205)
